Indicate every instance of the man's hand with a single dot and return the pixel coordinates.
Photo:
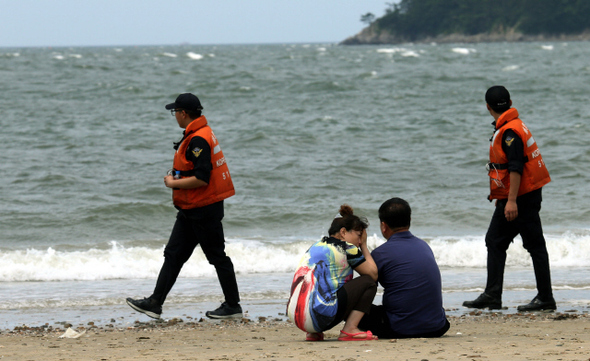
(183, 183)
(511, 211)
(168, 180)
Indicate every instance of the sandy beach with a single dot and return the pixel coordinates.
(473, 336)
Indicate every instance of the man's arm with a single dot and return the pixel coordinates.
(199, 153)
(183, 183)
(514, 149)
(511, 209)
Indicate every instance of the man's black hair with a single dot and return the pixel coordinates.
(396, 213)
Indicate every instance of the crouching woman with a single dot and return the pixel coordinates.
(324, 292)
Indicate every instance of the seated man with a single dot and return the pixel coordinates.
(412, 297)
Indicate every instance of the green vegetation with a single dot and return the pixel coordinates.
(413, 20)
(368, 18)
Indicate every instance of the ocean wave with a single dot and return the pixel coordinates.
(120, 262)
(255, 256)
(92, 301)
(464, 51)
(566, 250)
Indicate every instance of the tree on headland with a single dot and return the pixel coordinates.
(368, 18)
(414, 20)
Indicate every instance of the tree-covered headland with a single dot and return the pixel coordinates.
(476, 20)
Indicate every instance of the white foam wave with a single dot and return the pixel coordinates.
(256, 256)
(511, 68)
(547, 47)
(566, 250)
(119, 262)
(459, 252)
(194, 56)
(402, 51)
(170, 55)
(464, 51)
(410, 53)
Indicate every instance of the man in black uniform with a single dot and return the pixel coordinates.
(517, 174)
(200, 181)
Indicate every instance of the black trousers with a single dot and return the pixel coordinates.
(356, 294)
(202, 228)
(378, 323)
(501, 233)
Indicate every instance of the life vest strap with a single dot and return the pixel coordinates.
(502, 166)
(496, 166)
(186, 173)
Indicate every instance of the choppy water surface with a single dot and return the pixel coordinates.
(85, 143)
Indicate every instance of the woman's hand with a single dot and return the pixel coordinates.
(368, 267)
(363, 238)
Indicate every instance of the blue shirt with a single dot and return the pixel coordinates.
(411, 280)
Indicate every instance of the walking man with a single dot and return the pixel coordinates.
(200, 181)
(517, 174)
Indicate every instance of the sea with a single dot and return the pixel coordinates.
(85, 142)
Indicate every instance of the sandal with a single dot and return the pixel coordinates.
(366, 336)
(312, 336)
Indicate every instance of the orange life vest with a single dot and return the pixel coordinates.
(534, 175)
(220, 184)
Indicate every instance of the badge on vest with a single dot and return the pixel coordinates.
(197, 152)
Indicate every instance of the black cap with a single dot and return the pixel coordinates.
(498, 98)
(186, 101)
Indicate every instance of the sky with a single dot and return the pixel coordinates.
(56, 23)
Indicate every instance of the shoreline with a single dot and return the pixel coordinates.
(116, 313)
(478, 335)
(369, 37)
(179, 323)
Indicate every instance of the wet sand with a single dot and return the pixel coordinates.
(473, 336)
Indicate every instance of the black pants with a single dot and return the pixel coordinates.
(356, 295)
(378, 323)
(501, 233)
(191, 229)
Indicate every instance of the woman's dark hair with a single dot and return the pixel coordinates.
(348, 220)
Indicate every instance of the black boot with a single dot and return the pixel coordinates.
(537, 305)
(484, 301)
